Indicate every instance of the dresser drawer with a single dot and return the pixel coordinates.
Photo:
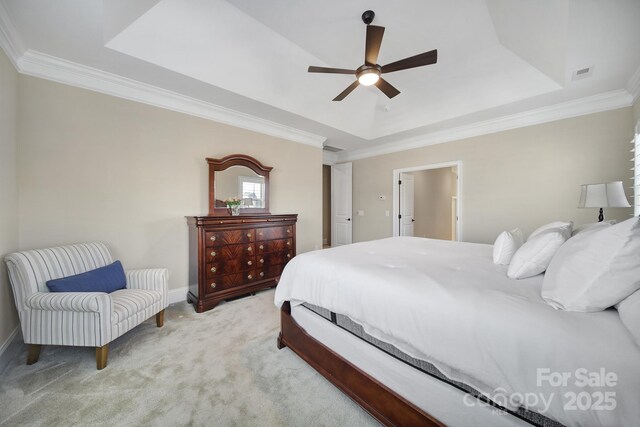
(229, 281)
(242, 252)
(270, 272)
(279, 245)
(272, 233)
(229, 237)
(216, 269)
(274, 258)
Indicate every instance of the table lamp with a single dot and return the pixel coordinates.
(607, 195)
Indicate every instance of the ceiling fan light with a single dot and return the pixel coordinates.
(368, 78)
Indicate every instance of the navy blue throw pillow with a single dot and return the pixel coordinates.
(104, 279)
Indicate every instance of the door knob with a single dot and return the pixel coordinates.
(348, 219)
(413, 220)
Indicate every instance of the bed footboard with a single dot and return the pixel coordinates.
(374, 397)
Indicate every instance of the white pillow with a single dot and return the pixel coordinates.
(629, 309)
(534, 256)
(595, 269)
(506, 245)
(565, 225)
(584, 227)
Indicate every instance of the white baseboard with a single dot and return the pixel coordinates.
(7, 350)
(177, 295)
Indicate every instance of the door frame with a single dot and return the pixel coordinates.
(396, 193)
(329, 159)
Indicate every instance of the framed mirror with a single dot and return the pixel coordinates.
(238, 177)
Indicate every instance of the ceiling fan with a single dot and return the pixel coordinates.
(369, 73)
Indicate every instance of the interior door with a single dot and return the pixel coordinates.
(341, 227)
(407, 219)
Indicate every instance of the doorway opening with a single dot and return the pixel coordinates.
(427, 201)
(326, 206)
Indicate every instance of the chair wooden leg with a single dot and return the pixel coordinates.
(160, 319)
(33, 353)
(101, 356)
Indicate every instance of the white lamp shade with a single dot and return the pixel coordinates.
(609, 195)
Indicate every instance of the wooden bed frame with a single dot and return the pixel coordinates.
(374, 397)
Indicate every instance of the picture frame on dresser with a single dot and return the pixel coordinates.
(232, 256)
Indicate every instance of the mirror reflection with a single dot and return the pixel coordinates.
(242, 183)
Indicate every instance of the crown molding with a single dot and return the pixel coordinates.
(634, 85)
(10, 41)
(588, 105)
(329, 158)
(48, 67)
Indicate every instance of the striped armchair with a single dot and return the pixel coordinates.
(90, 319)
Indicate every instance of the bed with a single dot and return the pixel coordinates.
(367, 315)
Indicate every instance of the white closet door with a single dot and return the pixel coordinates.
(341, 204)
(407, 219)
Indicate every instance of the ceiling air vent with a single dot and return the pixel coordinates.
(582, 73)
(332, 149)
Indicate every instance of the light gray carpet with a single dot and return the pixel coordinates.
(216, 368)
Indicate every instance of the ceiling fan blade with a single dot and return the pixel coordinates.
(347, 91)
(386, 88)
(374, 40)
(313, 69)
(420, 60)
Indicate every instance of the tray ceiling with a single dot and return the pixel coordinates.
(496, 57)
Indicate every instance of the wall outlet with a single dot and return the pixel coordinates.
(382, 197)
(360, 213)
(386, 213)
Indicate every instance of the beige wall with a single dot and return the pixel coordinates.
(95, 167)
(326, 204)
(636, 111)
(433, 190)
(8, 191)
(522, 177)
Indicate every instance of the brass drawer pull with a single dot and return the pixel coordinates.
(249, 263)
(289, 230)
(262, 274)
(213, 269)
(261, 246)
(288, 255)
(260, 234)
(213, 285)
(288, 243)
(249, 277)
(249, 248)
(261, 260)
(249, 235)
(213, 253)
(213, 238)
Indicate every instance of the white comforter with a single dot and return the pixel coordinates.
(447, 303)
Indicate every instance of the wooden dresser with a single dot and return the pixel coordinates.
(230, 256)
